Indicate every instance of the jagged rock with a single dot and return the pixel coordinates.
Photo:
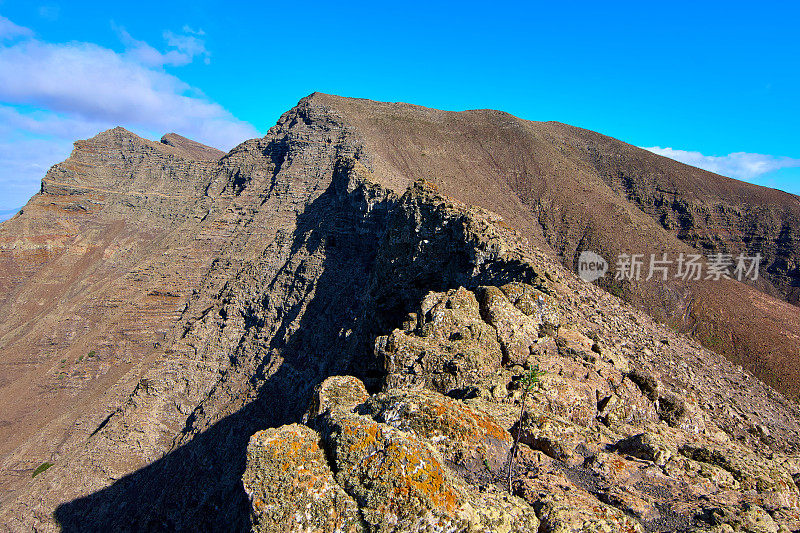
(764, 476)
(413, 458)
(534, 303)
(649, 385)
(191, 149)
(749, 518)
(560, 439)
(389, 473)
(564, 508)
(516, 331)
(336, 392)
(647, 446)
(627, 405)
(402, 484)
(467, 438)
(450, 348)
(398, 480)
(291, 486)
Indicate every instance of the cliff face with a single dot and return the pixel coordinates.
(709, 212)
(95, 272)
(163, 304)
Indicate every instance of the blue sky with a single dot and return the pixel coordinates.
(715, 84)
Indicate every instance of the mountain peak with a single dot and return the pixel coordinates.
(191, 149)
(169, 307)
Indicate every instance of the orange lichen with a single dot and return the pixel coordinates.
(399, 460)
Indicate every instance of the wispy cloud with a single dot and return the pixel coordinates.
(9, 30)
(49, 12)
(23, 163)
(54, 93)
(188, 29)
(101, 85)
(184, 46)
(740, 165)
(46, 124)
(190, 45)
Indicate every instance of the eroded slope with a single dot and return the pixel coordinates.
(570, 190)
(273, 268)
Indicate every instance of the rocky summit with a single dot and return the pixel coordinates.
(369, 320)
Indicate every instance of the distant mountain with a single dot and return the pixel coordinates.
(163, 301)
(190, 148)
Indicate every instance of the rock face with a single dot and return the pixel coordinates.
(295, 335)
(396, 476)
(292, 488)
(412, 459)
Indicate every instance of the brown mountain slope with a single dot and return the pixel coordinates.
(705, 210)
(191, 149)
(214, 295)
(572, 190)
(93, 272)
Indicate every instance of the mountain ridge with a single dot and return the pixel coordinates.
(274, 267)
(521, 169)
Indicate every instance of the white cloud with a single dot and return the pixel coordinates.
(46, 123)
(740, 165)
(9, 30)
(188, 29)
(95, 85)
(189, 45)
(54, 93)
(185, 48)
(23, 164)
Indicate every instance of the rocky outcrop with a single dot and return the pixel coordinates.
(570, 190)
(604, 445)
(396, 476)
(292, 488)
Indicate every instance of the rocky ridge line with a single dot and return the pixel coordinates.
(610, 443)
(313, 261)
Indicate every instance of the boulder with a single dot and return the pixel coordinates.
(291, 486)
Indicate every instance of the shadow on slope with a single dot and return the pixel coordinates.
(197, 486)
(378, 257)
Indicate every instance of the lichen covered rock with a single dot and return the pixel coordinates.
(516, 331)
(465, 437)
(396, 477)
(394, 466)
(578, 512)
(291, 487)
(604, 445)
(337, 393)
(450, 347)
